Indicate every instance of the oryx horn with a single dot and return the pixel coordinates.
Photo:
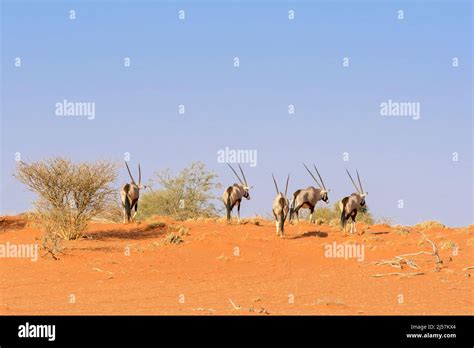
(360, 183)
(129, 173)
(237, 175)
(353, 181)
(243, 175)
(317, 182)
(139, 175)
(320, 178)
(286, 187)
(276, 185)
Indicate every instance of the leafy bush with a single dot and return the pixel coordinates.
(69, 194)
(188, 195)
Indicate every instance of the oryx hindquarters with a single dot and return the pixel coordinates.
(350, 205)
(280, 208)
(129, 195)
(349, 208)
(233, 195)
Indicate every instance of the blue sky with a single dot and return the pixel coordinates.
(282, 62)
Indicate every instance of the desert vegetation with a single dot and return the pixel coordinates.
(332, 215)
(69, 194)
(186, 195)
(182, 240)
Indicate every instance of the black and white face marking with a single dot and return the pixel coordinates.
(325, 197)
(362, 202)
(246, 194)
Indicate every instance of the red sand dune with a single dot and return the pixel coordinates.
(202, 275)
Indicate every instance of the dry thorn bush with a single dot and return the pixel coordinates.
(69, 195)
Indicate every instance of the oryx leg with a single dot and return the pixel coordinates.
(124, 215)
(230, 214)
(238, 212)
(297, 212)
(353, 216)
(276, 222)
(125, 206)
(136, 211)
(345, 228)
(282, 224)
(311, 217)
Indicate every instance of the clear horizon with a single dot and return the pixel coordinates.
(424, 158)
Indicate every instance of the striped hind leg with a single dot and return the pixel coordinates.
(353, 223)
(238, 212)
(136, 211)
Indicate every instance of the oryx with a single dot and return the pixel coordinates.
(307, 198)
(233, 194)
(129, 195)
(350, 205)
(280, 207)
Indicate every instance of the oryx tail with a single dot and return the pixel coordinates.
(228, 203)
(342, 205)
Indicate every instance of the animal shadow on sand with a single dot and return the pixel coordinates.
(311, 234)
(11, 224)
(135, 234)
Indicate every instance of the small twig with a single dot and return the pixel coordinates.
(204, 309)
(52, 254)
(415, 254)
(99, 270)
(468, 268)
(233, 305)
(251, 309)
(397, 262)
(397, 273)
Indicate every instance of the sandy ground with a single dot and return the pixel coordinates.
(236, 270)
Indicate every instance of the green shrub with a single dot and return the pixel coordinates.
(187, 195)
(332, 215)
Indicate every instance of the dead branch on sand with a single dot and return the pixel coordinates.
(399, 260)
(251, 309)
